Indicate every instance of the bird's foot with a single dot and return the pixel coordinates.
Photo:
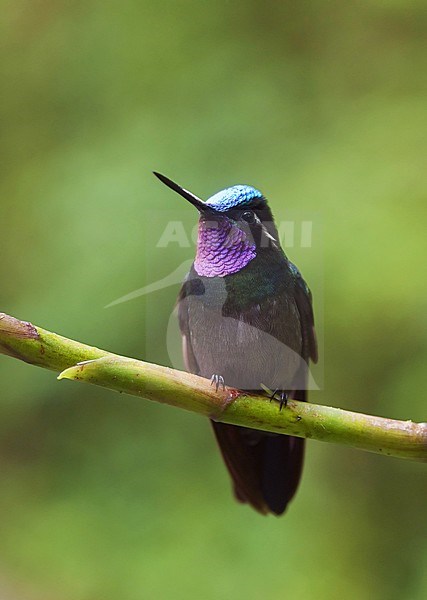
(283, 398)
(218, 381)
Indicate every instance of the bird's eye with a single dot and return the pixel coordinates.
(248, 216)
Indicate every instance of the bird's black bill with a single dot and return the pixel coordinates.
(194, 200)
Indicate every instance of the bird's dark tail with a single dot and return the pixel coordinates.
(265, 467)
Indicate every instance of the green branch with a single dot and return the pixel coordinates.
(80, 362)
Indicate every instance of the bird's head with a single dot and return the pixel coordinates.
(234, 225)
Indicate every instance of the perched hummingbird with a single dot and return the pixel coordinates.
(246, 320)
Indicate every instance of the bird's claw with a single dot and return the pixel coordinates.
(218, 381)
(283, 398)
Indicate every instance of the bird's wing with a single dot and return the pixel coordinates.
(304, 302)
(182, 304)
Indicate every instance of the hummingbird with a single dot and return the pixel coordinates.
(246, 319)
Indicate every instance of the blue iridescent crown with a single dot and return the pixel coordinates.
(233, 197)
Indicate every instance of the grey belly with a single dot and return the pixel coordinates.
(248, 356)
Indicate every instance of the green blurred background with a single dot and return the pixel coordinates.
(321, 105)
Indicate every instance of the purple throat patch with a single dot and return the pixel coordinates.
(222, 248)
